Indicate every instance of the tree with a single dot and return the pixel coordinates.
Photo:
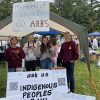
(63, 7)
(5, 8)
(80, 11)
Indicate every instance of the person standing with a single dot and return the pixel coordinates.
(69, 54)
(14, 55)
(30, 58)
(46, 54)
(95, 44)
(56, 49)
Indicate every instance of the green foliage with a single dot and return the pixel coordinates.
(83, 12)
(3, 78)
(5, 8)
(82, 78)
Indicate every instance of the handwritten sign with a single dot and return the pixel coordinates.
(31, 16)
(37, 85)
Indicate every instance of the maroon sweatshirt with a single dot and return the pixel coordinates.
(14, 60)
(69, 51)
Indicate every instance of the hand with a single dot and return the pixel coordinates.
(71, 61)
(17, 51)
(32, 47)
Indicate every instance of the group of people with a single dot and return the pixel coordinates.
(47, 52)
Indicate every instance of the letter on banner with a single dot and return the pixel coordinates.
(31, 16)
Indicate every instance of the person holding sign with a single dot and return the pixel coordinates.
(69, 54)
(14, 55)
(30, 58)
(46, 54)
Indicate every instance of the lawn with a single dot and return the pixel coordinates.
(82, 84)
(3, 80)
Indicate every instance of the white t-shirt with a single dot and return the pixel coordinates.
(29, 52)
(95, 44)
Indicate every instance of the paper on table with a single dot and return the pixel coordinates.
(71, 96)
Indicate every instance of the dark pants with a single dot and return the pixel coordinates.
(30, 65)
(11, 69)
(59, 62)
(70, 75)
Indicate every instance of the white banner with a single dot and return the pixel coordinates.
(11, 98)
(3, 99)
(31, 16)
(71, 96)
(37, 85)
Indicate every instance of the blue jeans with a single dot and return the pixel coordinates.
(11, 69)
(46, 63)
(70, 74)
(54, 64)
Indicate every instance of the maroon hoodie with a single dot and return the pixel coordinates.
(14, 60)
(69, 51)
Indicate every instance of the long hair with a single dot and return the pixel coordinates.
(29, 45)
(53, 41)
(44, 47)
(28, 41)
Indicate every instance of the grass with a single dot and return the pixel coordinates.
(3, 80)
(82, 78)
(82, 84)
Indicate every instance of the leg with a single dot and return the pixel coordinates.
(43, 64)
(11, 69)
(67, 73)
(33, 65)
(70, 71)
(48, 63)
(27, 65)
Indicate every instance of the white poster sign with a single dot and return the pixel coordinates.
(2, 98)
(31, 16)
(71, 96)
(37, 85)
(60, 77)
(11, 98)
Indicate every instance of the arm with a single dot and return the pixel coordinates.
(75, 51)
(10, 55)
(52, 52)
(25, 49)
(37, 52)
(61, 52)
(6, 54)
(21, 53)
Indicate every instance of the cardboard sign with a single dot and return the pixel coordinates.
(37, 85)
(31, 16)
(71, 96)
